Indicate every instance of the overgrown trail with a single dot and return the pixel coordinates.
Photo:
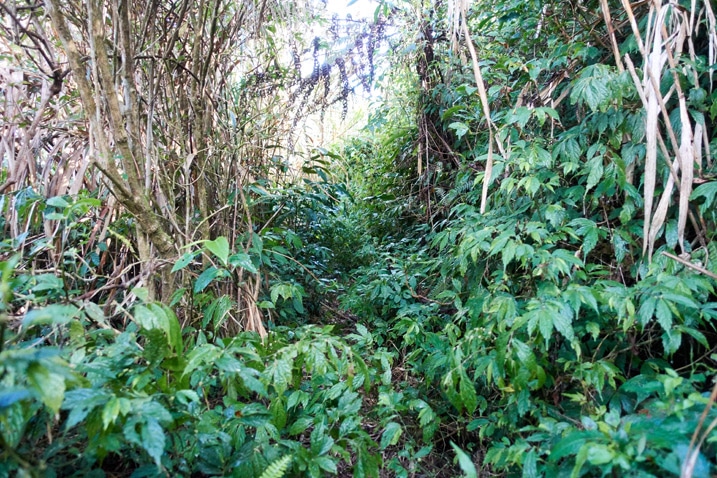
(209, 266)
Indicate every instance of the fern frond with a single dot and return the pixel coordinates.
(278, 468)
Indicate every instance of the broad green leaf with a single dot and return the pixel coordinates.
(151, 410)
(326, 463)
(110, 412)
(53, 216)
(148, 319)
(49, 386)
(467, 392)
(184, 261)
(227, 363)
(391, 434)
(12, 395)
(663, 314)
(589, 231)
(58, 202)
(220, 248)
(300, 425)
(465, 462)
(205, 353)
(521, 116)
(460, 128)
(508, 253)
(205, 278)
(545, 324)
(283, 290)
(153, 440)
(592, 87)
(155, 347)
(530, 465)
(277, 408)
(81, 402)
(249, 377)
(47, 282)
(170, 325)
(242, 260)
(281, 374)
(321, 443)
(187, 396)
(52, 314)
(94, 312)
(88, 202)
(142, 293)
(696, 334)
(599, 454)
(13, 422)
(708, 191)
(563, 322)
(572, 443)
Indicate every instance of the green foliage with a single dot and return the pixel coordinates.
(534, 337)
(140, 395)
(278, 468)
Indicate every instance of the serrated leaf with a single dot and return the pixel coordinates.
(278, 468)
(220, 248)
(205, 353)
(664, 315)
(545, 324)
(391, 434)
(47, 282)
(277, 408)
(592, 87)
(283, 290)
(467, 392)
(281, 375)
(110, 412)
(647, 310)
(80, 402)
(508, 253)
(562, 321)
(596, 171)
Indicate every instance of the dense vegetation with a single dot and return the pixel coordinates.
(509, 270)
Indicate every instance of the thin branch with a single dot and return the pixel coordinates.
(689, 264)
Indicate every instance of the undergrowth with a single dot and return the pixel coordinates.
(416, 328)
